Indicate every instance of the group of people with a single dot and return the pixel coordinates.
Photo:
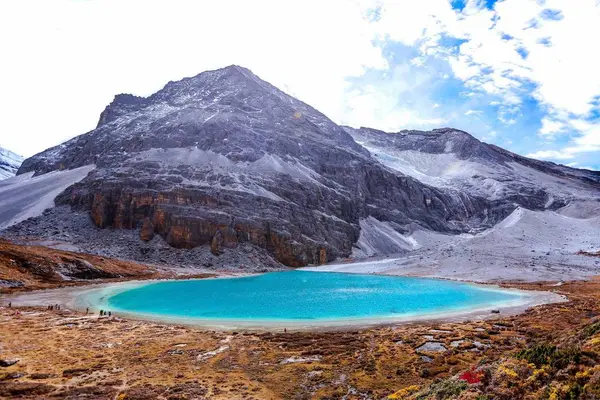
(104, 313)
(52, 307)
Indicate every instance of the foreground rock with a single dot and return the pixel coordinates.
(7, 362)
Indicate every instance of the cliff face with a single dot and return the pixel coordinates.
(224, 158)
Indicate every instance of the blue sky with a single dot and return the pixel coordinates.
(522, 74)
(444, 100)
(478, 77)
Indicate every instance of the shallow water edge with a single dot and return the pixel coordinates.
(93, 297)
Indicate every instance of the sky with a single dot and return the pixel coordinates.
(521, 74)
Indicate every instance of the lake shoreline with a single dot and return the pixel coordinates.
(80, 298)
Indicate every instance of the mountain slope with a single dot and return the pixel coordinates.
(224, 158)
(9, 163)
(450, 158)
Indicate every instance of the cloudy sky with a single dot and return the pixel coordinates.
(522, 74)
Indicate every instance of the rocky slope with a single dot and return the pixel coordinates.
(564, 198)
(450, 158)
(224, 158)
(37, 267)
(9, 163)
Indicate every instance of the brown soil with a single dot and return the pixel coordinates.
(25, 268)
(65, 354)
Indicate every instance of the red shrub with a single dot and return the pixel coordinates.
(470, 376)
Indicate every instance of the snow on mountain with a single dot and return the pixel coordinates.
(9, 163)
(27, 196)
(453, 159)
(526, 246)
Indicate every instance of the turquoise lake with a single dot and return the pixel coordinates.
(305, 296)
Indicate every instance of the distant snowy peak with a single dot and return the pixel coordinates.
(436, 141)
(9, 163)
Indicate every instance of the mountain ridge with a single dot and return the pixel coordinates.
(451, 158)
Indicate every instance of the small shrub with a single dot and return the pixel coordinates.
(565, 356)
(471, 376)
(404, 393)
(590, 330)
(538, 354)
(544, 354)
(446, 389)
(573, 392)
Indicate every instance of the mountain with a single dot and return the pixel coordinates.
(453, 159)
(226, 161)
(9, 163)
(224, 158)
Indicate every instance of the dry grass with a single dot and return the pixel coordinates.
(69, 355)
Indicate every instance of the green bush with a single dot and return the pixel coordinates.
(590, 330)
(545, 354)
(538, 354)
(446, 389)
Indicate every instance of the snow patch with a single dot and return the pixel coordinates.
(527, 246)
(380, 238)
(9, 163)
(26, 196)
(210, 354)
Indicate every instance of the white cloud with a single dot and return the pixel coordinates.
(69, 58)
(551, 155)
(394, 103)
(65, 60)
(565, 72)
(551, 127)
(515, 51)
(587, 141)
(471, 112)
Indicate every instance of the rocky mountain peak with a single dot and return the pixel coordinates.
(199, 87)
(121, 104)
(229, 111)
(451, 130)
